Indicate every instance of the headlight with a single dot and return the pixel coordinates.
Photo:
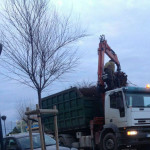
(131, 133)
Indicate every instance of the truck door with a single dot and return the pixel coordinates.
(117, 109)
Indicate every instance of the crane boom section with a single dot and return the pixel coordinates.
(104, 48)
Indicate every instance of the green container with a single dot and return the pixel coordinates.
(75, 109)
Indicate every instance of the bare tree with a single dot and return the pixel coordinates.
(38, 43)
(21, 108)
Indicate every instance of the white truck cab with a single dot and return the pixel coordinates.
(127, 112)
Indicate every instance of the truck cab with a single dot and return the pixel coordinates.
(127, 112)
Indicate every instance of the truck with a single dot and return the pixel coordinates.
(108, 116)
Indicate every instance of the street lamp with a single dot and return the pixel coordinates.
(4, 118)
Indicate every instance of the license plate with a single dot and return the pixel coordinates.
(148, 135)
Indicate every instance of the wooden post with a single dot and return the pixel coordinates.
(30, 130)
(40, 129)
(38, 112)
(56, 130)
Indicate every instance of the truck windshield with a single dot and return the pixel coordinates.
(138, 99)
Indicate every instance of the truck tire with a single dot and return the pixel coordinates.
(109, 142)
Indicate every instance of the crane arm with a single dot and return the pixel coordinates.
(104, 48)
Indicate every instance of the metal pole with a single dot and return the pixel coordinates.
(4, 118)
(1, 134)
(56, 130)
(5, 127)
(1, 47)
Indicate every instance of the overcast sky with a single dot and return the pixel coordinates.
(126, 25)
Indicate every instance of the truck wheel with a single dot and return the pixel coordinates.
(109, 142)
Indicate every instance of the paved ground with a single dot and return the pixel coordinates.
(129, 149)
(142, 148)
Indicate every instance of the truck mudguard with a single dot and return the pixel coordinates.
(109, 128)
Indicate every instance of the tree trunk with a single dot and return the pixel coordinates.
(39, 98)
(40, 106)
